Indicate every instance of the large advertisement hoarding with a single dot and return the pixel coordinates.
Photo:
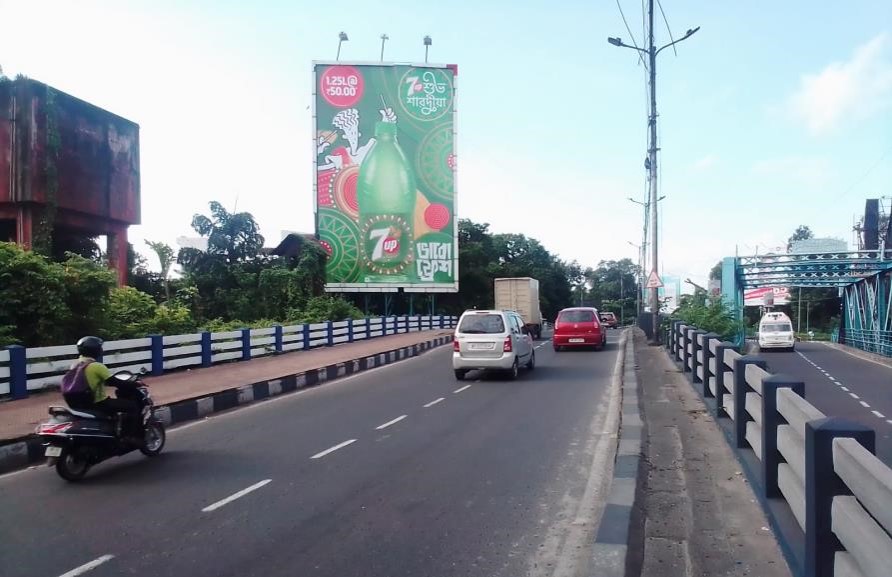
(766, 296)
(384, 137)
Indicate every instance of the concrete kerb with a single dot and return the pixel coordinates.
(611, 548)
(24, 452)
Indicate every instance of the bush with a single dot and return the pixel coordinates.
(715, 317)
(326, 308)
(130, 313)
(172, 319)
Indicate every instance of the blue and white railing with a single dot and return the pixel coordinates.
(23, 370)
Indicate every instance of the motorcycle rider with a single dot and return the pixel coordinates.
(83, 387)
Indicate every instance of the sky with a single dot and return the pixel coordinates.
(774, 114)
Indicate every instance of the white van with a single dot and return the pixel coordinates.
(776, 332)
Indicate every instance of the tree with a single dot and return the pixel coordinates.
(166, 258)
(802, 233)
(716, 272)
(234, 236)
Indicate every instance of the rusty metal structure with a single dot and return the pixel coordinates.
(67, 168)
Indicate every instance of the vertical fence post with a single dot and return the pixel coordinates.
(246, 344)
(677, 340)
(686, 348)
(207, 353)
(420, 323)
(277, 334)
(442, 322)
(720, 369)
(306, 335)
(329, 332)
(771, 420)
(157, 354)
(18, 372)
(708, 340)
(349, 330)
(696, 355)
(368, 328)
(741, 388)
(821, 485)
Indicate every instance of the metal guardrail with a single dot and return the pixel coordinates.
(23, 370)
(824, 468)
(876, 341)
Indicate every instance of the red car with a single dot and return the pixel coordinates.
(579, 327)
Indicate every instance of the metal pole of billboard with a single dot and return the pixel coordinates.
(652, 51)
(342, 37)
(799, 313)
(384, 38)
(427, 45)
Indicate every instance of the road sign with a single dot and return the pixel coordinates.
(653, 281)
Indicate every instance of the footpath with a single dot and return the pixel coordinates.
(190, 394)
(694, 513)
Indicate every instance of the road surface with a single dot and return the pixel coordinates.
(398, 471)
(842, 385)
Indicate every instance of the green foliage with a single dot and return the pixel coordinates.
(802, 232)
(130, 313)
(326, 308)
(166, 259)
(714, 316)
(172, 319)
(87, 286)
(32, 290)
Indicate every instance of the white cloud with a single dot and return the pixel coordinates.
(853, 89)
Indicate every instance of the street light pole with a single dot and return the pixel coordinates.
(384, 38)
(342, 37)
(652, 51)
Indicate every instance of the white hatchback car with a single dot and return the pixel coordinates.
(492, 340)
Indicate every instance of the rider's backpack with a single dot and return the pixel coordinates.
(75, 380)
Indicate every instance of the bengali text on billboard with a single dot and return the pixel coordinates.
(385, 176)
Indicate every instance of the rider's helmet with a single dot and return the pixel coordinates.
(90, 347)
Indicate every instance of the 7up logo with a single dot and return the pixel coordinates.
(386, 244)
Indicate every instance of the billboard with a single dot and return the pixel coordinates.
(670, 293)
(766, 296)
(384, 141)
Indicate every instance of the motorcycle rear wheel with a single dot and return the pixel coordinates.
(71, 466)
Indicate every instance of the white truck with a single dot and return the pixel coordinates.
(522, 296)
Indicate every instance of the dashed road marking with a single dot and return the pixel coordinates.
(879, 414)
(846, 389)
(88, 566)
(456, 391)
(865, 405)
(235, 496)
(389, 423)
(333, 449)
(434, 402)
(854, 396)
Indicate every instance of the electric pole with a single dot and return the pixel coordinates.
(652, 51)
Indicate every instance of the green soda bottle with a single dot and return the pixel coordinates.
(386, 197)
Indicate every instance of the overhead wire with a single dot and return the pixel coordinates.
(666, 20)
(629, 30)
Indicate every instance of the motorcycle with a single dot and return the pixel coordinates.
(78, 439)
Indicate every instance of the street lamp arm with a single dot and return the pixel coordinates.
(619, 42)
(687, 35)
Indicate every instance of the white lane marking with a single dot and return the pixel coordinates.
(846, 389)
(889, 421)
(235, 496)
(388, 423)
(271, 401)
(333, 449)
(879, 414)
(854, 396)
(432, 403)
(831, 378)
(456, 391)
(865, 405)
(88, 566)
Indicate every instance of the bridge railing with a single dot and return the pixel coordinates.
(24, 370)
(823, 468)
(872, 341)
